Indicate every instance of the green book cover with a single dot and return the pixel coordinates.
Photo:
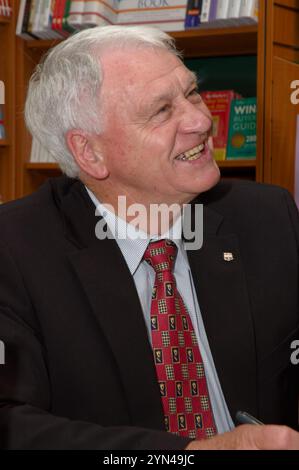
(242, 129)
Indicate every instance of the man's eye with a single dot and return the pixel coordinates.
(194, 92)
(164, 109)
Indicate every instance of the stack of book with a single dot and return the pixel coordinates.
(50, 19)
(218, 13)
(5, 8)
(234, 124)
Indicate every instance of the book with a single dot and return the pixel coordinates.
(234, 9)
(205, 11)
(76, 12)
(168, 16)
(219, 104)
(5, 8)
(222, 9)
(242, 129)
(193, 13)
(249, 8)
(59, 18)
(2, 128)
(213, 10)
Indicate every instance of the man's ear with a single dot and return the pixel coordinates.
(87, 154)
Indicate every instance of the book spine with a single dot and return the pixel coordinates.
(76, 14)
(213, 10)
(25, 26)
(33, 7)
(99, 13)
(234, 9)
(20, 17)
(140, 12)
(65, 24)
(247, 8)
(205, 11)
(222, 9)
(193, 13)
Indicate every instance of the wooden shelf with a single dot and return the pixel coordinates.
(4, 20)
(42, 166)
(237, 163)
(4, 143)
(238, 40)
(222, 164)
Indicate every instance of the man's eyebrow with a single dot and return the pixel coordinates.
(193, 79)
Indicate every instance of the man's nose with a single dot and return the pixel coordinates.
(194, 118)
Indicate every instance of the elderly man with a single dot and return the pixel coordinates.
(132, 342)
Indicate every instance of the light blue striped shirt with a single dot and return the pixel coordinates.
(133, 249)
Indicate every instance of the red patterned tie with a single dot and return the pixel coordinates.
(179, 365)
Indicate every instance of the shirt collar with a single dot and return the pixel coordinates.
(132, 242)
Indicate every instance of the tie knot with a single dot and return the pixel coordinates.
(161, 255)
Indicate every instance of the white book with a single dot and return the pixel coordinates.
(21, 17)
(99, 13)
(249, 8)
(234, 8)
(137, 12)
(205, 11)
(75, 18)
(222, 9)
(38, 28)
(33, 8)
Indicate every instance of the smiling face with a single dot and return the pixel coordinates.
(155, 143)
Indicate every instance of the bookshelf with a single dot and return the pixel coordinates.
(206, 42)
(279, 114)
(24, 177)
(7, 77)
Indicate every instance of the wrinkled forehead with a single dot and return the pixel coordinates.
(142, 71)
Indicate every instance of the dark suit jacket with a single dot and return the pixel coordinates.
(79, 372)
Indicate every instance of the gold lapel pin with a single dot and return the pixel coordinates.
(227, 256)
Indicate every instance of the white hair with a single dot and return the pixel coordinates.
(64, 90)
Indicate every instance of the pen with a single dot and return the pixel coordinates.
(245, 418)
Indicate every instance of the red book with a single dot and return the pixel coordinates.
(219, 103)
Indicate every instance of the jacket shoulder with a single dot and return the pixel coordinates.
(34, 213)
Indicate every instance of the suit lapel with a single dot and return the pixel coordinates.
(224, 304)
(111, 291)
